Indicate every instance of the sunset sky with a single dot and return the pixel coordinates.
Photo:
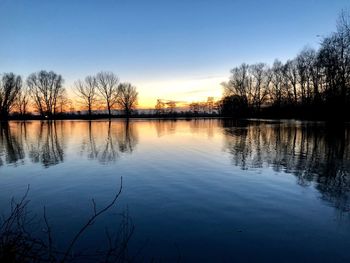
(178, 50)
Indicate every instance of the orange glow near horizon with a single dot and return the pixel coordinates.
(183, 90)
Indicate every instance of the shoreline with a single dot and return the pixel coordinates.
(149, 117)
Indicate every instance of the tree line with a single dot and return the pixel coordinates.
(315, 83)
(45, 93)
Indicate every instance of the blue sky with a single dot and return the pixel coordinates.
(171, 48)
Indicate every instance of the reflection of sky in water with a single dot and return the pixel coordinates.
(216, 189)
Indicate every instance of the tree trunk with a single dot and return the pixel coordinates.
(90, 111)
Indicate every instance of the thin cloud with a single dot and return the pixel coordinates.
(196, 91)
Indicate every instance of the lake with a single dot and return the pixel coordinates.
(205, 190)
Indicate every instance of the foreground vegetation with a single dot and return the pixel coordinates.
(18, 243)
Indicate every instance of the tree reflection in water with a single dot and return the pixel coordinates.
(107, 140)
(44, 144)
(165, 127)
(46, 141)
(314, 153)
(47, 147)
(11, 145)
(197, 126)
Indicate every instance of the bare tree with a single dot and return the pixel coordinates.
(87, 92)
(315, 75)
(306, 63)
(22, 101)
(303, 67)
(210, 104)
(239, 82)
(261, 79)
(316, 82)
(171, 106)
(237, 92)
(46, 88)
(107, 84)
(277, 82)
(291, 73)
(19, 244)
(127, 98)
(334, 57)
(343, 23)
(63, 103)
(160, 107)
(194, 107)
(10, 86)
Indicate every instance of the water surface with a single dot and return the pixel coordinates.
(199, 190)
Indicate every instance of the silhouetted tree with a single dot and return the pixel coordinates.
(277, 83)
(248, 87)
(22, 101)
(233, 106)
(239, 83)
(127, 98)
(171, 107)
(316, 82)
(107, 84)
(261, 79)
(63, 103)
(10, 87)
(195, 107)
(160, 107)
(305, 64)
(236, 92)
(334, 57)
(314, 76)
(46, 88)
(210, 104)
(87, 92)
(291, 74)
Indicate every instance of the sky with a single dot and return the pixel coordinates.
(179, 50)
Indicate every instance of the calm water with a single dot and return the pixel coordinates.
(200, 190)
